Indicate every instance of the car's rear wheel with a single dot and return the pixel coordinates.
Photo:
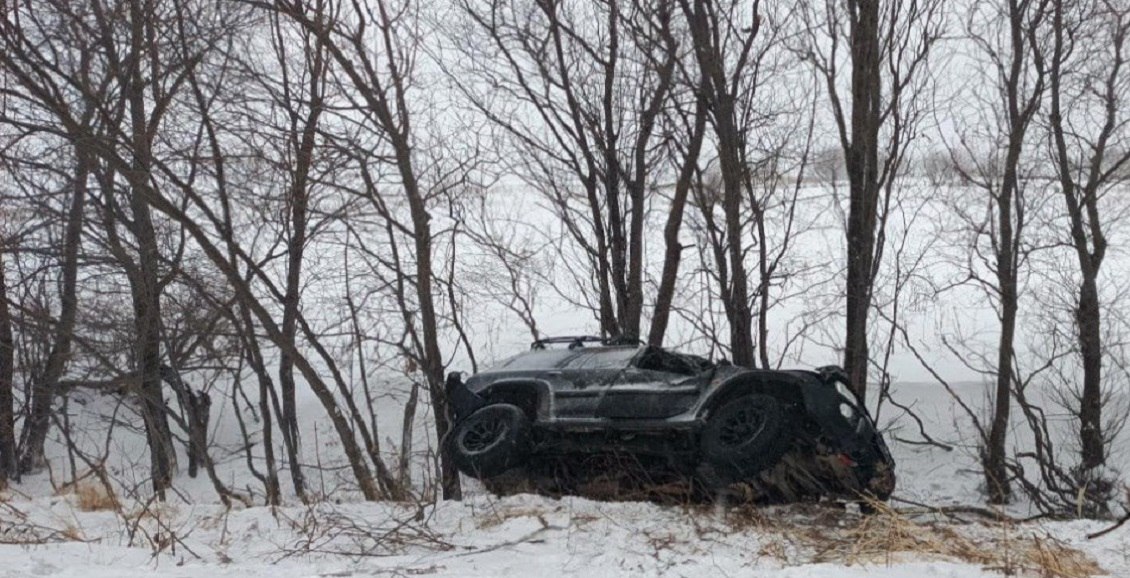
(490, 441)
(745, 436)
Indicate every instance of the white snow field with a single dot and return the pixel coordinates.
(49, 533)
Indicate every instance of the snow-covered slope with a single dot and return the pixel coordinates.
(525, 535)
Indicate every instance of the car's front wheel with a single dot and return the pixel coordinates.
(745, 436)
(490, 441)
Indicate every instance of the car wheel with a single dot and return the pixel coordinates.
(745, 436)
(490, 441)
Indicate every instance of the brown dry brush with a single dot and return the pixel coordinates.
(801, 476)
(805, 535)
(888, 535)
(18, 529)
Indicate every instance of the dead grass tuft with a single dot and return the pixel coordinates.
(498, 515)
(1053, 558)
(91, 497)
(887, 537)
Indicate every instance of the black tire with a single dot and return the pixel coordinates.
(490, 441)
(745, 436)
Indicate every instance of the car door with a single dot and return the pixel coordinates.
(656, 385)
(586, 377)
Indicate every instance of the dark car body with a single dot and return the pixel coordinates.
(647, 400)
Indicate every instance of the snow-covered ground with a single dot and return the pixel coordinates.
(526, 535)
(45, 532)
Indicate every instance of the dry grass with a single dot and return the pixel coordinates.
(888, 537)
(90, 496)
(1054, 558)
(497, 515)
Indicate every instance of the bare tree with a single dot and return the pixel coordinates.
(1087, 78)
(888, 48)
(723, 36)
(586, 84)
(375, 50)
(80, 163)
(40, 73)
(762, 126)
(145, 102)
(304, 106)
(44, 392)
(672, 257)
(989, 158)
(8, 460)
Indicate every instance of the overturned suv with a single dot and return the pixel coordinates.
(787, 433)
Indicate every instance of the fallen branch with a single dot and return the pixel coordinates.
(951, 511)
(1116, 526)
(16, 529)
(532, 537)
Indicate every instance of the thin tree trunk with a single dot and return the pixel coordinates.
(740, 315)
(43, 393)
(296, 245)
(147, 311)
(612, 180)
(765, 276)
(433, 362)
(1082, 206)
(303, 139)
(996, 473)
(145, 285)
(720, 94)
(8, 465)
(666, 293)
(404, 475)
(268, 397)
(863, 176)
(1020, 110)
(1090, 346)
(271, 481)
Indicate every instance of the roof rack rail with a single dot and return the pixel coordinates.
(574, 341)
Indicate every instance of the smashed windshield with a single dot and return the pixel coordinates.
(658, 359)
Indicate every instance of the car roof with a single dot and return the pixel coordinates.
(555, 358)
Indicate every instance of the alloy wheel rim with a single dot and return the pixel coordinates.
(483, 435)
(741, 427)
